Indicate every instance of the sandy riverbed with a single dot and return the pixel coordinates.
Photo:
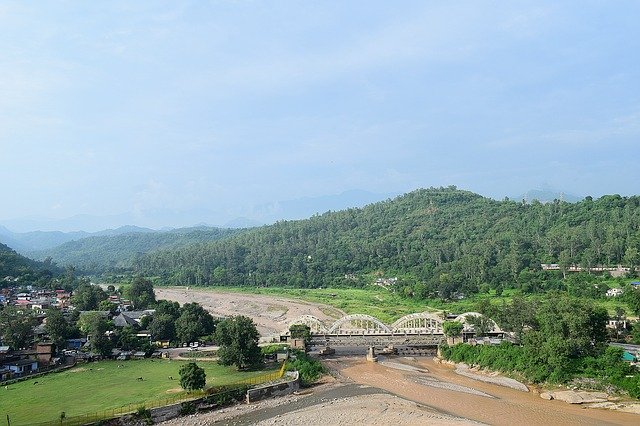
(270, 313)
(410, 391)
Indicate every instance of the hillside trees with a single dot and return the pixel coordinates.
(444, 241)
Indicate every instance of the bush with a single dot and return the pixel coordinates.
(310, 369)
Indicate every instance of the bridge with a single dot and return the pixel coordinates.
(418, 329)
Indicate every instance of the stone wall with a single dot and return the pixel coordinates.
(277, 389)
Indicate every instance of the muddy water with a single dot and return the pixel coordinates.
(500, 405)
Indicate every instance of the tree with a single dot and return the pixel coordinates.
(57, 328)
(192, 377)
(106, 305)
(452, 329)
(238, 340)
(87, 297)
(141, 293)
(301, 331)
(16, 327)
(193, 323)
(95, 326)
(162, 327)
(481, 324)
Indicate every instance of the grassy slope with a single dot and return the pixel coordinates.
(80, 390)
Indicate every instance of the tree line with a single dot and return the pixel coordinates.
(439, 241)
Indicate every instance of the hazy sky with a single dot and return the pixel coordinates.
(109, 107)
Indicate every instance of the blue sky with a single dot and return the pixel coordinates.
(116, 107)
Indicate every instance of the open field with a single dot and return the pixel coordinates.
(379, 302)
(102, 385)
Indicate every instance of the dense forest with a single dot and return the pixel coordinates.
(118, 253)
(16, 266)
(438, 241)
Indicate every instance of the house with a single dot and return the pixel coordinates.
(21, 367)
(45, 351)
(5, 374)
(131, 318)
(614, 292)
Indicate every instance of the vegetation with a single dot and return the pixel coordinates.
(238, 340)
(16, 327)
(310, 369)
(24, 270)
(564, 338)
(301, 331)
(192, 377)
(103, 385)
(140, 292)
(439, 242)
(118, 253)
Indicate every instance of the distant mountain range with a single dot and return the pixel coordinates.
(43, 240)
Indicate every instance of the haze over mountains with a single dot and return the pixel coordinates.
(39, 235)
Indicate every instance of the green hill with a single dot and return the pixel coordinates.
(438, 241)
(118, 253)
(15, 265)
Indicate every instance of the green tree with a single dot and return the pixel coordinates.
(481, 324)
(141, 293)
(452, 329)
(162, 327)
(193, 323)
(95, 326)
(301, 331)
(87, 297)
(238, 340)
(57, 328)
(192, 377)
(16, 327)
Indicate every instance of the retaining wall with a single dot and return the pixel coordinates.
(277, 389)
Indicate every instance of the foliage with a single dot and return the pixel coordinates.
(16, 327)
(238, 340)
(452, 328)
(57, 327)
(95, 326)
(192, 377)
(193, 323)
(301, 331)
(273, 349)
(562, 340)
(162, 327)
(118, 253)
(440, 242)
(141, 294)
(310, 369)
(87, 297)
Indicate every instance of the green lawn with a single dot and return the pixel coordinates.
(101, 385)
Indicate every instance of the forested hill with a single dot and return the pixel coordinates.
(438, 240)
(117, 253)
(15, 265)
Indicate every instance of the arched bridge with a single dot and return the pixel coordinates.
(424, 328)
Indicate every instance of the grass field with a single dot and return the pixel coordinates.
(101, 385)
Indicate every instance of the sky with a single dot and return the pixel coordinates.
(111, 108)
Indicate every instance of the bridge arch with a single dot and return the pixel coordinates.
(314, 324)
(468, 327)
(423, 322)
(358, 323)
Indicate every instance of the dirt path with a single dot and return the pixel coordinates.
(271, 314)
